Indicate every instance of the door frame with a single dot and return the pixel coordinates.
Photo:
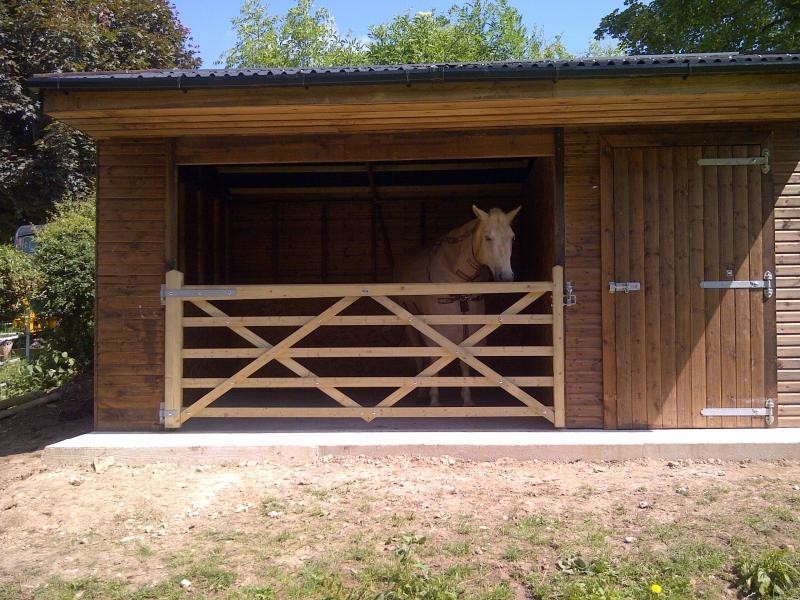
(746, 135)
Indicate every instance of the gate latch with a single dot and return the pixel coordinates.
(615, 287)
(569, 294)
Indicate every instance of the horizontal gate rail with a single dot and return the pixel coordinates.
(368, 352)
(261, 353)
(365, 382)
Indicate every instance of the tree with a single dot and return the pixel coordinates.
(42, 161)
(476, 31)
(304, 37)
(681, 26)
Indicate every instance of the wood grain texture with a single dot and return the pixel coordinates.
(132, 190)
(786, 177)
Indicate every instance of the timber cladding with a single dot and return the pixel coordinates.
(129, 335)
(786, 178)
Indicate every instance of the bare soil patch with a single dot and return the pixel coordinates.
(500, 529)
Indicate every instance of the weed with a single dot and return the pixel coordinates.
(459, 548)
(272, 504)
(500, 592)
(254, 593)
(769, 575)
(512, 553)
(88, 588)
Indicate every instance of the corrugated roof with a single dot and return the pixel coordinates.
(651, 65)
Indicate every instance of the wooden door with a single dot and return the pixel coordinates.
(673, 348)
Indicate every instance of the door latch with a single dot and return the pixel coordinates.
(615, 287)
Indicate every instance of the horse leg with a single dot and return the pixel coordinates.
(466, 391)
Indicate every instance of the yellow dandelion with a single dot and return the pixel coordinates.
(655, 588)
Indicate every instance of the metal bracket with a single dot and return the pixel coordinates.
(762, 161)
(569, 294)
(163, 413)
(768, 412)
(196, 293)
(615, 287)
(746, 284)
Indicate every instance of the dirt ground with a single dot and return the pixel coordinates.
(504, 521)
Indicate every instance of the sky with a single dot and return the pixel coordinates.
(574, 20)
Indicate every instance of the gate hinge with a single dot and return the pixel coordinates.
(164, 412)
(569, 294)
(768, 412)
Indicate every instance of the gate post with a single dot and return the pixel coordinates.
(558, 347)
(173, 352)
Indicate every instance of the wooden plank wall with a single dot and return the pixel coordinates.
(583, 322)
(786, 181)
(129, 339)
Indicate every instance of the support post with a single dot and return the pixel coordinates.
(173, 348)
(558, 347)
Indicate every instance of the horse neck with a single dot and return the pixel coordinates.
(453, 258)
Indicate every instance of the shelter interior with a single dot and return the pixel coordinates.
(327, 223)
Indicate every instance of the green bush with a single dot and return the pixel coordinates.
(65, 256)
(19, 282)
(50, 370)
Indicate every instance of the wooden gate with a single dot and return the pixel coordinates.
(286, 351)
(683, 223)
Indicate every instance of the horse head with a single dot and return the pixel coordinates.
(492, 241)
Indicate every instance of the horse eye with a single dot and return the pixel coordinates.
(488, 239)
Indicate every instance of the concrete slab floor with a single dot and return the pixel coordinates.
(288, 446)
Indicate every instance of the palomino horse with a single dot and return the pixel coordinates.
(477, 251)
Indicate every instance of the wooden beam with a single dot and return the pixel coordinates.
(292, 148)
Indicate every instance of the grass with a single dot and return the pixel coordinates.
(714, 545)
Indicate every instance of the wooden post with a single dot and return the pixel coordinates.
(558, 347)
(173, 348)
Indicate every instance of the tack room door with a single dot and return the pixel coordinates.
(687, 324)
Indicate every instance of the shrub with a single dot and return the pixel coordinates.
(65, 256)
(19, 282)
(49, 370)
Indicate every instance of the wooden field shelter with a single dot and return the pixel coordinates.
(249, 222)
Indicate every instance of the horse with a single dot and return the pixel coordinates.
(479, 250)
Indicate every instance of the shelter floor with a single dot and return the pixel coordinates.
(317, 440)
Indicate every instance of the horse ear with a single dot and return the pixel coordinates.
(479, 213)
(510, 215)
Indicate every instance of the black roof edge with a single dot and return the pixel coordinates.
(627, 66)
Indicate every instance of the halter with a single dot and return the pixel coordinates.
(462, 299)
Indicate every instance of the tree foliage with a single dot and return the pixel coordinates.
(682, 26)
(42, 161)
(476, 31)
(305, 37)
(19, 282)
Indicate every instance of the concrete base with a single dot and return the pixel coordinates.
(192, 448)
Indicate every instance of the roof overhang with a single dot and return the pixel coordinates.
(629, 90)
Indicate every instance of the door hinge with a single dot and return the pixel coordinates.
(768, 412)
(760, 161)
(746, 284)
(615, 287)
(164, 412)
